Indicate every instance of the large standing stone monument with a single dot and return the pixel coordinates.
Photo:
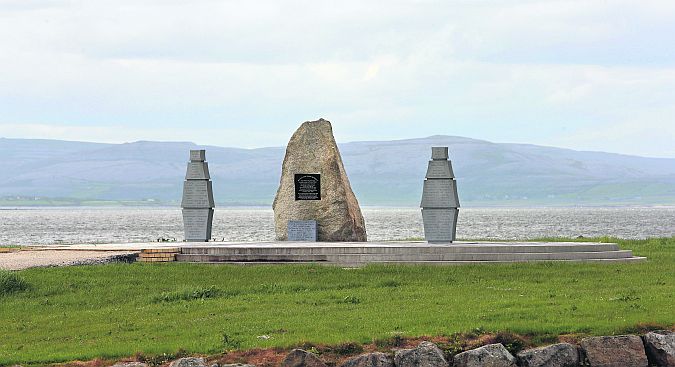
(197, 200)
(440, 202)
(314, 187)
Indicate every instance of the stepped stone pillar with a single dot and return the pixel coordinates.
(197, 200)
(440, 202)
(314, 191)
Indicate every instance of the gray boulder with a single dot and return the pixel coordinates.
(556, 355)
(615, 351)
(492, 355)
(426, 354)
(301, 358)
(312, 149)
(234, 365)
(660, 348)
(188, 362)
(376, 359)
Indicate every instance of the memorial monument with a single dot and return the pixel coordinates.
(440, 202)
(197, 200)
(315, 201)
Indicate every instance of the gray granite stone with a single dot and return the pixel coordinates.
(302, 230)
(375, 359)
(440, 194)
(197, 171)
(197, 224)
(440, 169)
(440, 224)
(197, 194)
(313, 150)
(198, 155)
(426, 354)
(439, 153)
(660, 347)
(492, 355)
(615, 351)
(301, 358)
(188, 362)
(556, 355)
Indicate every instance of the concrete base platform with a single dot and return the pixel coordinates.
(358, 254)
(351, 254)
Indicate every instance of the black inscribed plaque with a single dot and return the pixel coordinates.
(307, 186)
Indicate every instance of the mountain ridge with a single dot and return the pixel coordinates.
(381, 172)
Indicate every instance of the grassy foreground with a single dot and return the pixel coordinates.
(85, 312)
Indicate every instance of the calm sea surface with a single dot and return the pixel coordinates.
(48, 226)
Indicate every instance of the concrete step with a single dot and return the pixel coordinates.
(359, 254)
(617, 260)
(251, 258)
(398, 250)
(361, 258)
(480, 256)
(360, 264)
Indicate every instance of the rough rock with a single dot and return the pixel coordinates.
(376, 359)
(312, 149)
(188, 362)
(615, 351)
(301, 358)
(556, 355)
(130, 364)
(492, 355)
(660, 348)
(426, 354)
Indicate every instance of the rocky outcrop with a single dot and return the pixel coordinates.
(376, 359)
(615, 351)
(188, 362)
(426, 354)
(660, 348)
(492, 355)
(556, 355)
(312, 149)
(603, 351)
(301, 358)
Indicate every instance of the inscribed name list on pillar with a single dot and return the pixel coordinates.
(440, 202)
(197, 202)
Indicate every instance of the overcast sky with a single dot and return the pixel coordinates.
(588, 75)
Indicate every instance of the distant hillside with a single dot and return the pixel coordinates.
(381, 172)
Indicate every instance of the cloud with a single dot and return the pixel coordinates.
(246, 73)
(651, 135)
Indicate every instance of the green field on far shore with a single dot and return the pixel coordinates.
(112, 311)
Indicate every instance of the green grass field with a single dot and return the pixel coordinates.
(85, 312)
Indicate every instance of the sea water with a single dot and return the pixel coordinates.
(53, 226)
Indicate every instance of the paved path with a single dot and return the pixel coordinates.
(39, 258)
